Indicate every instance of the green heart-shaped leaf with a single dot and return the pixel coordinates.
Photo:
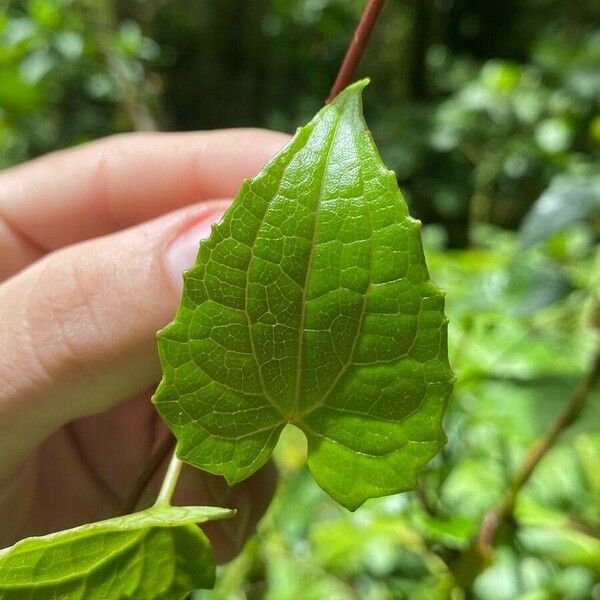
(311, 304)
(157, 553)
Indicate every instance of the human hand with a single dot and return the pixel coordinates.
(89, 271)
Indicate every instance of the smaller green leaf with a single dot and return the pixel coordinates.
(156, 553)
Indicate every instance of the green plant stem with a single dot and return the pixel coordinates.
(169, 482)
(357, 47)
(503, 511)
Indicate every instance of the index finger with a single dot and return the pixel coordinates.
(99, 188)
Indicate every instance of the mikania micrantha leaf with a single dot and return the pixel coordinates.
(311, 304)
(156, 553)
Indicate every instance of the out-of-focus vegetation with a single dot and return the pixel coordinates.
(477, 105)
(489, 111)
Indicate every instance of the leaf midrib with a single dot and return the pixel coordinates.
(350, 360)
(293, 417)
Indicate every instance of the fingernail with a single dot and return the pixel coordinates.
(182, 252)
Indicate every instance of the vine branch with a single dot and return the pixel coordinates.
(503, 511)
(357, 47)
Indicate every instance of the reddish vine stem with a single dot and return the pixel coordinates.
(503, 511)
(357, 47)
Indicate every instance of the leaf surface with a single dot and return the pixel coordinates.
(157, 553)
(311, 304)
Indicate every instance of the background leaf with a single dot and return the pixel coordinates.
(311, 304)
(157, 553)
(569, 199)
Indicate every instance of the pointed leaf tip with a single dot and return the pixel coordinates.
(353, 90)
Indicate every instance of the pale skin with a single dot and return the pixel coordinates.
(92, 244)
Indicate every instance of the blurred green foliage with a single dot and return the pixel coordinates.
(477, 105)
(489, 111)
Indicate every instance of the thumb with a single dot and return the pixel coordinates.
(79, 326)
